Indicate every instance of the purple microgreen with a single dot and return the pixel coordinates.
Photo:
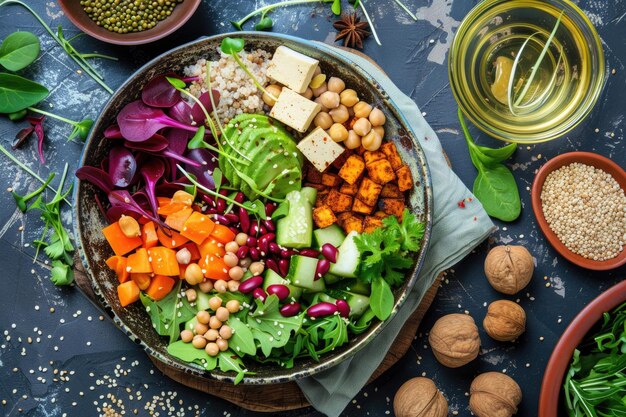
(123, 200)
(37, 123)
(159, 93)
(168, 153)
(96, 176)
(22, 136)
(151, 172)
(113, 132)
(122, 166)
(204, 103)
(139, 122)
(181, 112)
(177, 140)
(203, 173)
(22, 200)
(191, 79)
(80, 128)
(155, 144)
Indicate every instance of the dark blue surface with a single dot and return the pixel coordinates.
(101, 362)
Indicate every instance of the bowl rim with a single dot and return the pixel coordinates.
(118, 39)
(194, 369)
(570, 339)
(557, 162)
(513, 137)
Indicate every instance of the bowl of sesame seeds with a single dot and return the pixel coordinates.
(579, 200)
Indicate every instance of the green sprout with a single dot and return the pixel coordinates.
(22, 200)
(80, 129)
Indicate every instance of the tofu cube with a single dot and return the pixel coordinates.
(390, 150)
(350, 189)
(361, 207)
(392, 206)
(405, 181)
(292, 69)
(294, 110)
(330, 180)
(374, 156)
(381, 171)
(320, 149)
(371, 223)
(323, 216)
(338, 202)
(391, 190)
(352, 169)
(369, 192)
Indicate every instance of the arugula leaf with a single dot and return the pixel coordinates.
(19, 50)
(270, 328)
(230, 362)
(169, 313)
(381, 299)
(242, 341)
(227, 360)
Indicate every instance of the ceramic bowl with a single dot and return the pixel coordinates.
(551, 387)
(77, 15)
(89, 221)
(555, 163)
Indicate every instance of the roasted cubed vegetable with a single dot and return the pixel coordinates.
(323, 216)
(360, 207)
(318, 187)
(342, 217)
(405, 181)
(353, 222)
(391, 190)
(371, 223)
(330, 180)
(350, 189)
(373, 156)
(381, 171)
(338, 163)
(313, 175)
(390, 150)
(369, 192)
(393, 206)
(320, 200)
(352, 169)
(338, 202)
(380, 214)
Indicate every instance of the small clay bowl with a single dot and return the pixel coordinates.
(551, 386)
(77, 15)
(555, 163)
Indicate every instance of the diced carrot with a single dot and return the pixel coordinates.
(160, 286)
(141, 279)
(128, 293)
(163, 261)
(193, 249)
(121, 270)
(214, 268)
(222, 234)
(182, 197)
(177, 219)
(120, 244)
(211, 247)
(149, 235)
(168, 209)
(181, 270)
(163, 201)
(113, 261)
(138, 262)
(197, 227)
(173, 241)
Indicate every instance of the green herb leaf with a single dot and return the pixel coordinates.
(411, 230)
(265, 23)
(242, 341)
(236, 25)
(496, 189)
(270, 328)
(363, 323)
(218, 177)
(381, 299)
(232, 46)
(227, 360)
(176, 82)
(19, 50)
(169, 313)
(281, 211)
(61, 274)
(197, 141)
(18, 93)
(336, 7)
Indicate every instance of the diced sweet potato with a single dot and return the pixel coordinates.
(391, 190)
(320, 200)
(318, 187)
(380, 214)
(323, 216)
(330, 180)
(371, 223)
(342, 217)
(405, 181)
(341, 159)
(352, 169)
(381, 171)
(373, 156)
(390, 150)
(360, 207)
(350, 189)
(353, 222)
(338, 202)
(393, 206)
(313, 175)
(369, 192)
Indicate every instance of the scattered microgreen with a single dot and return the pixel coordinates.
(336, 7)
(61, 273)
(217, 178)
(361, 4)
(22, 200)
(263, 11)
(406, 9)
(79, 129)
(18, 115)
(19, 50)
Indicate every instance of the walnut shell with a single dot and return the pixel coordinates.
(493, 394)
(454, 340)
(419, 397)
(505, 320)
(509, 268)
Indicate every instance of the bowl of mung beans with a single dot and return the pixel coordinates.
(579, 200)
(128, 22)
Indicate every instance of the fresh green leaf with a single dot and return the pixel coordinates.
(217, 178)
(81, 129)
(19, 50)
(381, 299)
(176, 82)
(18, 115)
(270, 328)
(168, 314)
(265, 23)
(497, 191)
(186, 352)
(336, 7)
(281, 211)
(22, 200)
(410, 231)
(228, 362)
(231, 46)
(363, 323)
(197, 141)
(18, 93)
(242, 341)
(61, 273)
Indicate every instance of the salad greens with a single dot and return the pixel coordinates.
(18, 93)
(168, 314)
(225, 361)
(19, 50)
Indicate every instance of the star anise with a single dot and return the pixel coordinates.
(351, 30)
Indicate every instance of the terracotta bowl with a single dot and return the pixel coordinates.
(551, 387)
(77, 15)
(555, 163)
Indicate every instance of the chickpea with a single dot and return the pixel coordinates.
(273, 89)
(377, 117)
(336, 85)
(322, 107)
(186, 336)
(226, 332)
(222, 344)
(236, 272)
(308, 93)
(317, 80)
(214, 323)
(212, 349)
(232, 285)
(230, 259)
(191, 295)
(353, 141)
(220, 286)
(232, 247)
(340, 114)
(330, 100)
(215, 303)
(320, 90)
(348, 97)
(371, 141)
(129, 226)
(200, 328)
(241, 239)
(193, 274)
(380, 130)
(183, 256)
(362, 109)
(206, 286)
(256, 268)
(199, 342)
(222, 314)
(338, 132)
(323, 120)
(203, 317)
(211, 335)
(362, 126)
(317, 71)
(233, 306)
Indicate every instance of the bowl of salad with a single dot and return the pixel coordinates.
(252, 209)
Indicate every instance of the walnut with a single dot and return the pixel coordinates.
(419, 397)
(493, 394)
(505, 320)
(454, 340)
(509, 268)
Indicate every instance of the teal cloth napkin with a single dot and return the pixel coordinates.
(455, 233)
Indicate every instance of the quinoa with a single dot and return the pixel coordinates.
(586, 208)
(238, 94)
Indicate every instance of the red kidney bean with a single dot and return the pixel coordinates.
(232, 217)
(239, 197)
(254, 254)
(287, 253)
(259, 293)
(242, 252)
(210, 210)
(254, 228)
(330, 252)
(274, 248)
(263, 245)
(234, 229)
(281, 291)
(323, 265)
(221, 219)
(283, 267)
(273, 265)
(290, 310)
(269, 225)
(251, 284)
(309, 253)
(321, 309)
(251, 241)
(220, 205)
(262, 230)
(269, 209)
(244, 219)
(343, 307)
